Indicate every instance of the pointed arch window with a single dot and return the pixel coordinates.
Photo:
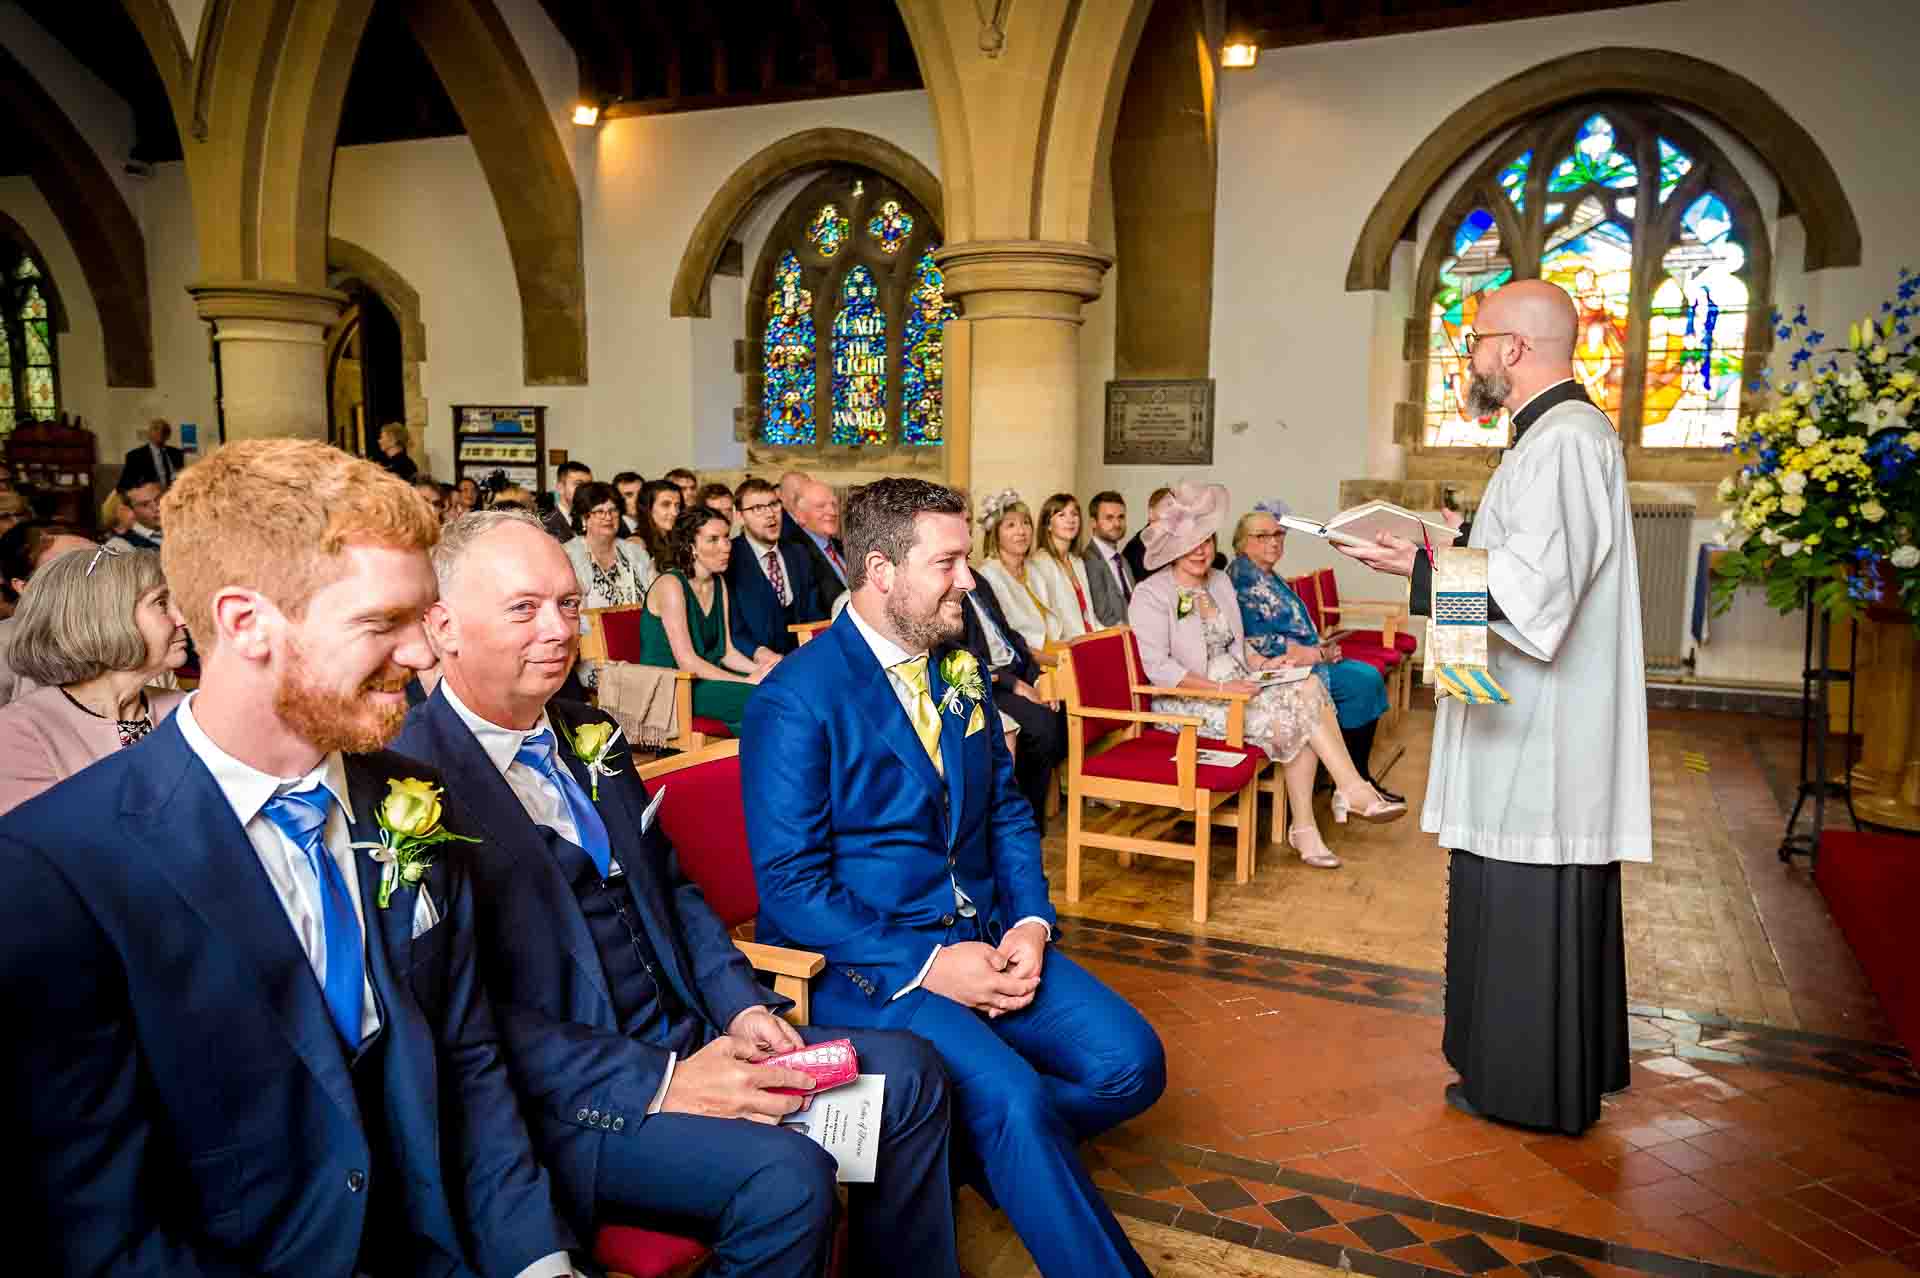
(29, 369)
(1653, 234)
(850, 314)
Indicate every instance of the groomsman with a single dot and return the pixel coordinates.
(769, 580)
(633, 1024)
(1109, 576)
(239, 1050)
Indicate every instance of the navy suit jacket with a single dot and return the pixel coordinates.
(857, 840)
(582, 1081)
(185, 1102)
(757, 618)
(827, 585)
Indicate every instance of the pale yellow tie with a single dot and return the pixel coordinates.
(926, 715)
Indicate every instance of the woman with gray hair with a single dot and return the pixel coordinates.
(94, 630)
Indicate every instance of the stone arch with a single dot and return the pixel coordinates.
(1811, 186)
(87, 203)
(768, 169)
(349, 264)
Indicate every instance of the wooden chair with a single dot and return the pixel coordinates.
(804, 631)
(1390, 632)
(705, 818)
(613, 634)
(1394, 666)
(1108, 757)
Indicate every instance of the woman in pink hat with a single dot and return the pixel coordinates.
(1187, 623)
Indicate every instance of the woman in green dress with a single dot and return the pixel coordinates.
(685, 623)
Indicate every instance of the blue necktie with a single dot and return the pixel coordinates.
(301, 815)
(537, 753)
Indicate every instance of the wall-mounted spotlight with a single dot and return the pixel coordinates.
(1239, 53)
(586, 114)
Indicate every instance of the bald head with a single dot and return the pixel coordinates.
(1540, 311)
(817, 509)
(1526, 334)
(790, 485)
(57, 545)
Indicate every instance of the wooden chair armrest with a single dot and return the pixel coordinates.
(1370, 607)
(1211, 694)
(1134, 716)
(804, 964)
(1048, 657)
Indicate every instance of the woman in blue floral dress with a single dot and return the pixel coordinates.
(1277, 624)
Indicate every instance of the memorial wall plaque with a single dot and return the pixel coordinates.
(1160, 423)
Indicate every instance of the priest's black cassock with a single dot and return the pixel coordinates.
(1539, 801)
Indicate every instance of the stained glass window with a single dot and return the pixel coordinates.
(860, 362)
(891, 226)
(29, 389)
(853, 314)
(828, 230)
(786, 398)
(1666, 363)
(923, 365)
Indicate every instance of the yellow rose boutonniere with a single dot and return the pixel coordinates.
(961, 673)
(409, 821)
(592, 744)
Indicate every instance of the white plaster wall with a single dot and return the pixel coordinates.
(1312, 137)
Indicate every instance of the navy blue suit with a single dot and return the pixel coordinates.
(588, 1055)
(186, 1104)
(758, 618)
(858, 843)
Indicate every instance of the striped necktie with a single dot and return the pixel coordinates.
(926, 715)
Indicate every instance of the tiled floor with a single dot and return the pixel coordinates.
(1770, 1127)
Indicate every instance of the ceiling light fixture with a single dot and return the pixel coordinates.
(1239, 53)
(586, 114)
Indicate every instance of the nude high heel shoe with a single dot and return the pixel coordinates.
(1306, 840)
(1378, 810)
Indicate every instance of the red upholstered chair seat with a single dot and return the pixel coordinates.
(642, 1253)
(622, 629)
(1403, 642)
(711, 727)
(1149, 758)
(1381, 659)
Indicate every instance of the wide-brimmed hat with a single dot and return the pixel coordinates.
(1188, 517)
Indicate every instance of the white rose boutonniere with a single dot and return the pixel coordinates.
(1184, 607)
(592, 744)
(409, 821)
(961, 674)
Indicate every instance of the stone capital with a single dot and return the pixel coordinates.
(1023, 279)
(269, 301)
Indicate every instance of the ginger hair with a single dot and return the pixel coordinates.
(273, 516)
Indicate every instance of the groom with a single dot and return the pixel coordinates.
(235, 1053)
(889, 835)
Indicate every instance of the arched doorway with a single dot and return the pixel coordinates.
(364, 374)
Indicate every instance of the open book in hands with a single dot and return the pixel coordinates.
(1362, 525)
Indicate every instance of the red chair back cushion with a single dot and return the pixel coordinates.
(705, 820)
(623, 635)
(1104, 670)
(1310, 596)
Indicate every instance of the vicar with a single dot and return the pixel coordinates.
(632, 1023)
(1540, 800)
(888, 834)
(241, 1050)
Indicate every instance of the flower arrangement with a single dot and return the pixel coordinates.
(1829, 497)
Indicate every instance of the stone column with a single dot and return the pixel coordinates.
(272, 347)
(1021, 300)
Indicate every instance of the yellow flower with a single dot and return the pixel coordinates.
(1841, 522)
(1793, 503)
(1872, 511)
(412, 807)
(589, 739)
(1814, 540)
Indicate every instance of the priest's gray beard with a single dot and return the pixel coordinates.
(1487, 393)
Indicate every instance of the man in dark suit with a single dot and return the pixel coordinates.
(817, 514)
(769, 582)
(888, 835)
(254, 1049)
(566, 481)
(1110, 577)
(154, 462)
(632, 1023)
(998, 648)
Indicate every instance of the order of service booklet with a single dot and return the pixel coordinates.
(1361, 525)
(846, 1123)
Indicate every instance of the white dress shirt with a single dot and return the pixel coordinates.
(784, 588)
(542, 800)
(890, 654)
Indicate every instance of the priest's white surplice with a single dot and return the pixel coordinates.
(1560, 776)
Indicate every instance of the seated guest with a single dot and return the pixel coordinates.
(1007, 550)
(153, 460)
(621, 995)
(92, 632)
(1058, 574)
(466, 495)
(627, 483)
(791, 482)
(1187, 623)
(610, 571)
(115, 515)
(434, 492)
(567, 480)
(718, 498)
(685, 625)
(688, 483)
(1109, 575)
(887, 834)
(393, 451)
(1135, 550)
(260, 1055)
(769, 582)
(659, 504)
(512, 497)
(14, 509)
(817, 515)
(144, 501)
(1041, 742)
(1277, 624)
(24, 550)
